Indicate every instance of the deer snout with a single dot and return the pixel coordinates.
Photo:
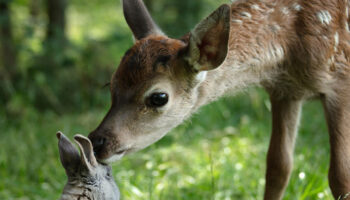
(106, 146)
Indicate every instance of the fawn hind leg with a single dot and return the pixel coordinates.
(285, 119)
(337, 110)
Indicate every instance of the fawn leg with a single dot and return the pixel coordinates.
(285, 119)
(337, 110)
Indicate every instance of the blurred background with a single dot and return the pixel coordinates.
(55, 58)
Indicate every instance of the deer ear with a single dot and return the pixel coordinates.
(69, 155)
(208, 42)
(86, 150)
(139, 19)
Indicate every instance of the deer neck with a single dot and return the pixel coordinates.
(261, 32)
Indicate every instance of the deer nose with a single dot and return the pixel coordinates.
(98, 143)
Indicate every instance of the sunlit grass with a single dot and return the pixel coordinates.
(219, 154)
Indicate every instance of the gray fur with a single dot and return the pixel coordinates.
(87, 179)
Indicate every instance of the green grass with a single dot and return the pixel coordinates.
(218, 154)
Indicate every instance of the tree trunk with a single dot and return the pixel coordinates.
(55, 34)
(34, 10)
(56, 11)
(8, 53)
(55, 45)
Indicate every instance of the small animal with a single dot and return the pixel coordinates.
(87, 179)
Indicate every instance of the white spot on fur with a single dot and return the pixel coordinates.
(237, 21)
(329, 62)
(275, 28)
(347, 27)
(279, 52)
(274, 53)
(336, 41)
(285, 10)
(255, 7)
(246, 14)
(336, 38)
(201, 76)
(270, 10)
(297, 7)
(324, 16)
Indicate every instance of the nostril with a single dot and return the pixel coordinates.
(98, 143)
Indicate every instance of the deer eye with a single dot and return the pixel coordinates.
(157, 99)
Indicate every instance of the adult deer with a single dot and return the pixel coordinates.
(295, 49)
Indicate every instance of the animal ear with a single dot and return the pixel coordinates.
(69, 155)
(139, 19)
(208, 42)
(86, 150)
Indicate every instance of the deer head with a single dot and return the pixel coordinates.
(87, 179)
(156, 84)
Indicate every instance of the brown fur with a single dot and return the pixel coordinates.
(139, 63)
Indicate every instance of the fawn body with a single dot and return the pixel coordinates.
(295, 49)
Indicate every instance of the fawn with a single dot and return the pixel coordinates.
(87, 179)
(295, 49)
